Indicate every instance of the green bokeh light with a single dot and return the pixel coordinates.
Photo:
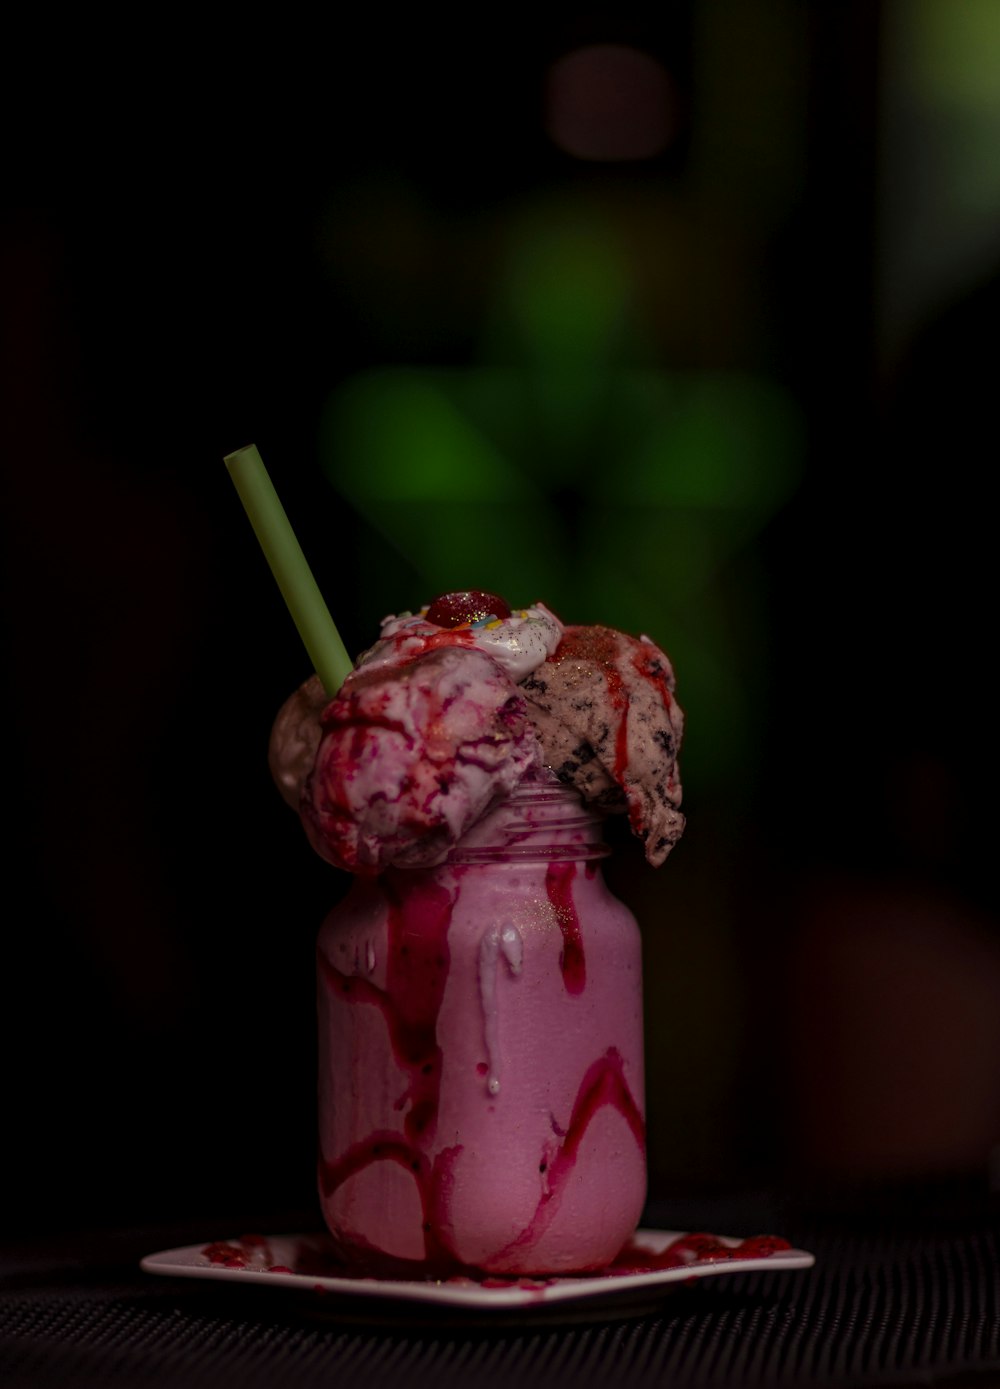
(615, 494)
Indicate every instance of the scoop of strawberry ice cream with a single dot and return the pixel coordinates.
(411, 755)
(603, 707)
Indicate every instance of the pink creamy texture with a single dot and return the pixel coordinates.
(411, 756)
(425, 1167)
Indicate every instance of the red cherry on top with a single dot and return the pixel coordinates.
(456, 609)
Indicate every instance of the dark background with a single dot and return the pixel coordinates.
(184, 270)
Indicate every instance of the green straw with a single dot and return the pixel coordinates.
(288, 565)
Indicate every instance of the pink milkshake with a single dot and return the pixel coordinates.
(481, 1096)
(481, 1060)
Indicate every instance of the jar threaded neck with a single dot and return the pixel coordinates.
(540, 821)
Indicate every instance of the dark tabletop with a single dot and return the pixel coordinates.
(905, 1291)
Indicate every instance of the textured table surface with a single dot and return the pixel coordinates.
(905, 1291)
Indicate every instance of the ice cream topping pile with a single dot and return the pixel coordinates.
(453, 707)
(518, 641)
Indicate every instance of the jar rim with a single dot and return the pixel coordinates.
(530, 853)
(543, 783)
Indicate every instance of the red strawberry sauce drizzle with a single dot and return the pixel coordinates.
(606, 647)
(697, 1248)
(683, 1252)
(601, 645)
(432, 1178)
(416, 973)
(559, 888)
(417, 960)
(407, 640)
(250, 1251)
(603, 1084)
(253, 1252)
(646, 662)
(227, 1254)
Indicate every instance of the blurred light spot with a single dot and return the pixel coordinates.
(608, 102)
(409, 443)
(568, 289)
(414, 462)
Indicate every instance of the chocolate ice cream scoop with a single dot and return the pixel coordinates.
(604, 710)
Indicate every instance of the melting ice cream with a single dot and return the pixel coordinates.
(452, 707)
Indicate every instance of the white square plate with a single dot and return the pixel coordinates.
(652, 1262)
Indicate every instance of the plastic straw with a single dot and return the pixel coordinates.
(288, 565)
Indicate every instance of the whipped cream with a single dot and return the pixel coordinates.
(519, 643)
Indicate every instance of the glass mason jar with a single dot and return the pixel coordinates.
(481, 1058)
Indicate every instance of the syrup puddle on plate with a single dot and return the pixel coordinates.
(649, 1263)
